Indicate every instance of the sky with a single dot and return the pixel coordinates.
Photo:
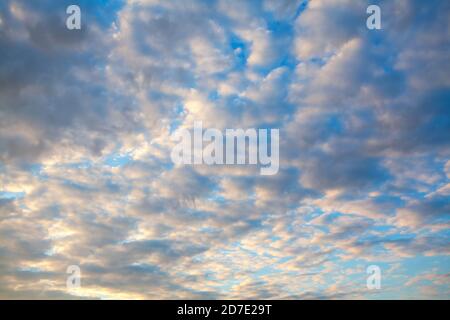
(86, 177)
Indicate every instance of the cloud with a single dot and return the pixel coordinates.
(86, 177)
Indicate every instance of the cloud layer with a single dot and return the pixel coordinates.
(86, 177)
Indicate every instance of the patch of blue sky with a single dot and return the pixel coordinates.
(117, 159)
(36, 170)
(30, 269)
(12, 195)
(83, 164)
(105, 11)
(179, 109)
(210, 230)
(213, 95)
(241, 52)
(266, 270)
(144, 268)
(320, 61)
(50, 252)
(78, 186)
(332, 216)
(279, 30)
(416, 265)
(395, 237)
(215, 197)
(285, 60)
(409, 269)
(308, 213)
(300, 9)
(197, 214)
(382, 228)
(279, 26)
(334, 124)
(169, 165)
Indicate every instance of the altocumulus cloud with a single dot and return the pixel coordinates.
(86, 177)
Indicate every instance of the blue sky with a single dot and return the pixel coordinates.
(86, 176)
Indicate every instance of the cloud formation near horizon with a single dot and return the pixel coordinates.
(86, 177)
